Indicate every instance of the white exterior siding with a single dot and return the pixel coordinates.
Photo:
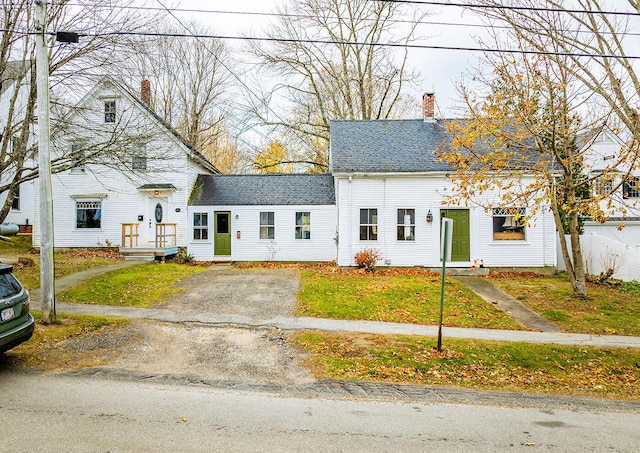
(424, 194)
(114, 183)
(26, 214)
(249, 247)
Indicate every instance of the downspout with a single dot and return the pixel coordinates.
(350, 231)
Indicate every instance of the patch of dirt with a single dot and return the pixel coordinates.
(254, 355)
(260, 356)
(257, 293)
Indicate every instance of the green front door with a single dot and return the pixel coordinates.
(460, 248)
(222, 234)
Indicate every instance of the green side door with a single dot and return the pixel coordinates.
(222, 234)
(460, 244)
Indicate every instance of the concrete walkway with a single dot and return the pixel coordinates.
(333, 325)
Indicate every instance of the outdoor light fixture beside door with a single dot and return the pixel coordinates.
(429, 216)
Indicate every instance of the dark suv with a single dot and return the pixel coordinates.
(16, 323)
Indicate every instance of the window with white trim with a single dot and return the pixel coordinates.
(78, 156)
(303, 225)
(200, 226)
(406, 230)
(267, 225)
(507, 224)
(88, 214)
(110, 111)
(368, 224)
(602, 186)
(631, 187)
(15, 204)
(139, 160)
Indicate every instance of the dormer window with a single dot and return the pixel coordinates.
(109, 111)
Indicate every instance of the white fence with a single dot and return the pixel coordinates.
(601, 253)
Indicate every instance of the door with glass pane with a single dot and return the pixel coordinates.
(222, 234)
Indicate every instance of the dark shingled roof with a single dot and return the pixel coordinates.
(381, 146)
(263, 190)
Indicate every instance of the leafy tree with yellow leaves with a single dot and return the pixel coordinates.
(273, 158)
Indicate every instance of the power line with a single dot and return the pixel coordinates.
(356, 43)
(401, 21)
(512, 8)
(244, 85)
(337, 42)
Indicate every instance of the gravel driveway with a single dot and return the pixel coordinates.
(236, 353)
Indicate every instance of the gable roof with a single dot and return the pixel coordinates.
(387, 146)
(194, 152)
(109, 82)
(263, 190)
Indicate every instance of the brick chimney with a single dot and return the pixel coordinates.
(428, 106)
(145, 91)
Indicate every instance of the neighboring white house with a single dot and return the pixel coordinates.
(274, 217)
(602, 154)
(390, 188)
(615, 243)
(14, 87)
(136, 174)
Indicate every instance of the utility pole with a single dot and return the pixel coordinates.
(48, 306)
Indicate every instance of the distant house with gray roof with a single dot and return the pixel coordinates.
(272, 217)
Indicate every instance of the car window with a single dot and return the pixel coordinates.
(9, 285)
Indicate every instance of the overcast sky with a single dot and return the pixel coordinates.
(438, 68)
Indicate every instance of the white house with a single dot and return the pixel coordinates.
(615, 243)
(14, 88)
(136, 173)
(275, 217)
(602, 155)
(390, 188)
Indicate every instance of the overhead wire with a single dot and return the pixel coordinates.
(242, 83)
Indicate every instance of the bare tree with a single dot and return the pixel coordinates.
(190, 78)
(530, 121)
(330, 67)
(596, 43)
(72, 66)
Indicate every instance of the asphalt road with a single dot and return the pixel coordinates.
(53, 413)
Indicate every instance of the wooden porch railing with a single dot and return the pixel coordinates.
(166, 235)
(130, 235)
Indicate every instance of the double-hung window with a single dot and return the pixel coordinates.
(508, 225)
(88, 214)
(78, 157)
(303, 225)
(368, 224)
(406, 230)
(200, 226)
(631, 187)
(110, 111)
(267, 225)
(15, 204)
(139, 160)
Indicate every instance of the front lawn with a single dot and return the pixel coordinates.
(141, 286)
(483, 365)
(394, 295)
(610, 309)
(66, 261)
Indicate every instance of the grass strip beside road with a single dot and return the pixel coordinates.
(395, 295)
(72, 342)
(610, 309)
(141, 286)
(484, 365)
